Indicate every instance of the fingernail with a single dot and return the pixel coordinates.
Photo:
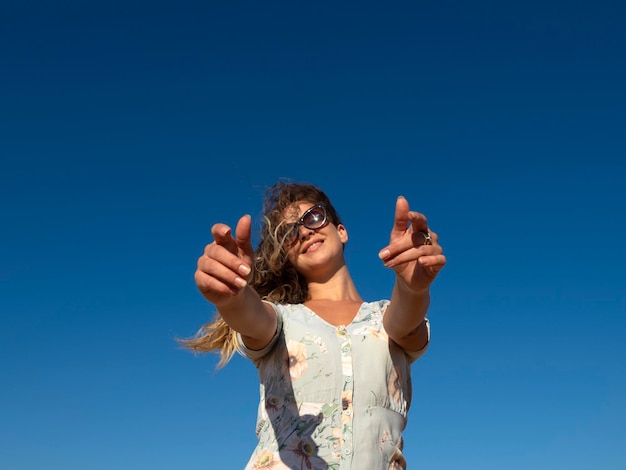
(383, 254)
(401, 197)
(243, 269)
(240, 282)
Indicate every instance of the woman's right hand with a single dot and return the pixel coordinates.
(226, 265)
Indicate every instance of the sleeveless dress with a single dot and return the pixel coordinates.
(331, 397)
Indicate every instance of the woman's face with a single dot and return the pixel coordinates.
(318, 244)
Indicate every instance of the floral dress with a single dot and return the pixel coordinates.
(332, 397)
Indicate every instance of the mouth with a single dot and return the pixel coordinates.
(314, 246)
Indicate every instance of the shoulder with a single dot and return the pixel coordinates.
(287, 309)
(378, 306)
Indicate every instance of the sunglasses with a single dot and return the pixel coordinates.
(313, 218)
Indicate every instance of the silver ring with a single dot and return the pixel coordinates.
(428, 240)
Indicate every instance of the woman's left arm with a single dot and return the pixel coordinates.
(416, 257)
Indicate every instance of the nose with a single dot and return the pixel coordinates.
(304, 232)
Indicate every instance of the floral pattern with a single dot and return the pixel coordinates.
(331, 397)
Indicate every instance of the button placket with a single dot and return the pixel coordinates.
(348, 388)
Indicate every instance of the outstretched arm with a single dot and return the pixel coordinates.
(222, 277)
(416, 265)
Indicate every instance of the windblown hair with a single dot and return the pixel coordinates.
(273, 278)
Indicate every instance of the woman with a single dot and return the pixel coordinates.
(334, 370)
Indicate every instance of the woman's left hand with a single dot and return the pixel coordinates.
(415, 262)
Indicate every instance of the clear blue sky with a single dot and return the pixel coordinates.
(128, 128)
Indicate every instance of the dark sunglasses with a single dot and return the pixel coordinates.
(313, 218)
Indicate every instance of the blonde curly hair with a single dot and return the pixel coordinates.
(274, 278)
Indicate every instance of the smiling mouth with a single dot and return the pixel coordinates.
(313, 246)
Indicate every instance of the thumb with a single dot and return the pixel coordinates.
(243, 236)
(401, 218)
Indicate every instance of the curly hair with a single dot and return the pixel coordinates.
(273, 278)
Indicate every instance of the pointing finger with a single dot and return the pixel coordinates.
(223, 237)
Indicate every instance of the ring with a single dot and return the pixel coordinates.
(428, 240)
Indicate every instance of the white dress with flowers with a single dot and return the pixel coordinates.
(331, 397)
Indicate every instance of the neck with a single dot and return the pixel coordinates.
(338, 288)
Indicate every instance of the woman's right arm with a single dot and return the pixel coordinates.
(221, 277)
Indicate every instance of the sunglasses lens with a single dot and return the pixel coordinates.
(291, 233)
(314, 218)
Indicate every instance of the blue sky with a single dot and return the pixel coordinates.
(128, 128)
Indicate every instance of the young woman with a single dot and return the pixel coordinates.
(334, 369)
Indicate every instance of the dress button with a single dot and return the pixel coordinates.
(348, 413)
(348, 379)
(347, 451)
